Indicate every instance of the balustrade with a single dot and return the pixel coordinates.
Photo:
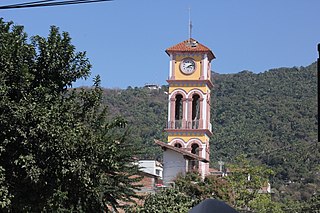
(178, 124)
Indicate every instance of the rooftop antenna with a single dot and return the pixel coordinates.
(221, 164)
(190, 25)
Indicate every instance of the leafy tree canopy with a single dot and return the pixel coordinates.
(272, 117)
(234, 189)
(58, 150)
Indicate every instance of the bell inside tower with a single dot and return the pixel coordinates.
(178, 111)
(195, 111)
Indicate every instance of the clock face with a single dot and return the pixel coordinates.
(187, 66)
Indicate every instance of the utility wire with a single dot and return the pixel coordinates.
(270, 152)
(47, 3)
(44, 3)
(29, 3)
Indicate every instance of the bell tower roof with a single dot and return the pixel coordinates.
(191, 45)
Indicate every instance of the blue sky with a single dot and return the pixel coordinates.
(125, 40)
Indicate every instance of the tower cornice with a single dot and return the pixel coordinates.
(190, 83)
(188, 132)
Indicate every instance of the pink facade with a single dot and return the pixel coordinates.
(189, 126)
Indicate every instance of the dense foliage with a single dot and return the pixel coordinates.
(169, 200)
(61, 151)
(145, 110)
(237, 190)
(272, 117)
(58, 151)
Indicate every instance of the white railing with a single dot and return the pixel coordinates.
(176, 124)
(195, 124)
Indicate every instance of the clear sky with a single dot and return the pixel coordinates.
(125, 40)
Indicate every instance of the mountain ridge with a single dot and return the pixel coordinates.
(271, 117)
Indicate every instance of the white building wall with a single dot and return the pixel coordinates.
(204, 111)
(171, 64)
(173, 164)
(151, 167)
(205, 67)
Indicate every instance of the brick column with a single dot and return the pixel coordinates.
(189, 118)
(201, 69)
(173, 65)
(201, 114)
(208, 111)
(184, 110)
(172, 113)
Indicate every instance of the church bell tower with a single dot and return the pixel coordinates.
(189, 126)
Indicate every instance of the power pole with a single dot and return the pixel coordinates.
(318, 79)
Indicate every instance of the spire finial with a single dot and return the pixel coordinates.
(190, 25)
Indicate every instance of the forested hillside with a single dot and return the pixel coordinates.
(146, 113)
(272, 117)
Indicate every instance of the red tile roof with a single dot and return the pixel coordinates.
(191, 46)
(181, 151)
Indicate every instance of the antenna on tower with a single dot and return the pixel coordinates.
(190, 42)
(190, 25)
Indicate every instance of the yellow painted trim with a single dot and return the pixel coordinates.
(187, 89)
(180, 75)
(203, 138)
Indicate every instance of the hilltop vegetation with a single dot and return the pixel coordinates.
(62, 150)
(146, 113)
(271, 117)
(58, 150)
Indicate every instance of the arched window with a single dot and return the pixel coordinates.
(178, 145)
(194, 150)
(195, 111)
(178, 111)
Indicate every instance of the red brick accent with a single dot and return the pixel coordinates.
(186, 47)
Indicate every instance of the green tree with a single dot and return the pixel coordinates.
(271, 116)
(237, 191)
(188, 191)
(246, 180)
(168, 200)
(312, 205)
(262, 203)
(211, 187)
(58, 150)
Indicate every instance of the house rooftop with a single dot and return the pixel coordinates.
(180, 151)
(191, 45)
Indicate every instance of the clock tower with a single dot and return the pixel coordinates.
(189, 126)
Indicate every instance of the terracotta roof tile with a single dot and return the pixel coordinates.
(193, 46)
(181, 151)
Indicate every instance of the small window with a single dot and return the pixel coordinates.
(195, 111)
(195, 149)
(178, 145)
(178, 107)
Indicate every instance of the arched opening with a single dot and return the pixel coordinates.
(195, 149)
(178, 111)
(195, 111)
(194, 163)
(178, 145)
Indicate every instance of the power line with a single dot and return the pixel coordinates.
(29, 3)
(270, 152)
(48, 3)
